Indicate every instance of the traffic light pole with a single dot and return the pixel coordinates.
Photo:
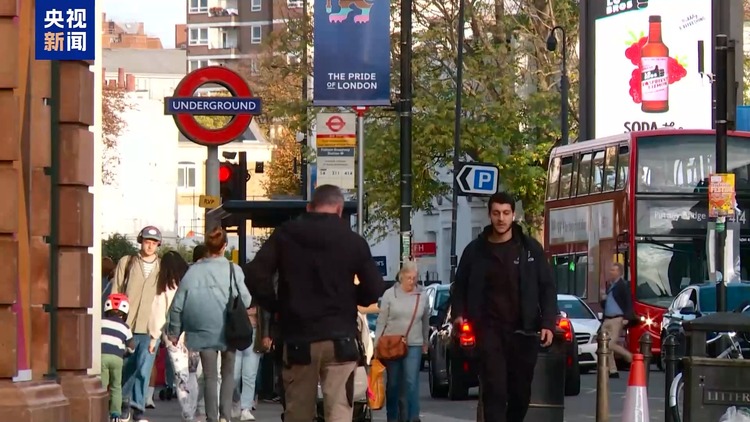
(212, 181)
(242, 223)
(721, 164)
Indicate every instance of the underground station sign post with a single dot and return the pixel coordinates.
(185, 105)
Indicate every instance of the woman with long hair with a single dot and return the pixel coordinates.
(173, 268)
(404, 311)
(199, 310)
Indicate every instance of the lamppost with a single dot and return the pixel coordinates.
(564, 82)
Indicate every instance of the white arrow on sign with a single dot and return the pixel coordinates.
(478, 179)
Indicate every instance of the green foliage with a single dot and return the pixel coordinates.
(185, 252)
(116, 246)
(213, 121)
(510, 103)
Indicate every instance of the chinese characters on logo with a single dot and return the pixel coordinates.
(61, 34)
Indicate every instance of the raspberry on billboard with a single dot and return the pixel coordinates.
(656, 81)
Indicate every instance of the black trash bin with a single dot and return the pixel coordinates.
(548, 385)
(713, 385)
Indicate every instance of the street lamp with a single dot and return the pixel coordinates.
(564, 82)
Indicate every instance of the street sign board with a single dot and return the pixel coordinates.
(335, 141)
(478, 179)
(381, 262)
(420, 249)
(209, 201)
(184, 105)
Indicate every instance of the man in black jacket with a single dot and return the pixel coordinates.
(504, 287)
(317, 258)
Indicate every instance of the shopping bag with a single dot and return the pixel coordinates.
(734, 414)
(376, 385)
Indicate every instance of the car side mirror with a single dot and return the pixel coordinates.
(599, 316)
(688, 310)
(434, 320)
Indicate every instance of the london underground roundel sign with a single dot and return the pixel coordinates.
(184, 105)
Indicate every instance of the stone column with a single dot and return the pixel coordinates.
(22, 183)
(88, 399)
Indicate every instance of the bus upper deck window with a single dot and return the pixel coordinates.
(566, 175)
(584, 174)
(597, 173)
(553, 180)
(610, 169)
(623, 162)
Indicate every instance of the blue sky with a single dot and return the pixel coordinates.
(158, 16)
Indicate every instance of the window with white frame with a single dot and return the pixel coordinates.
(198, 6)
(186, 175)
(198, 36)
(294, 4)
(196, 64)
(255, 5)
(256, 34)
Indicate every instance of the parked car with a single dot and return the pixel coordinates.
(437, 300)
(453, 368)
(586, 326)
(693, 302)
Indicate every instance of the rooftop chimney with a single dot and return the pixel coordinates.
(130, 83)
(121, 78)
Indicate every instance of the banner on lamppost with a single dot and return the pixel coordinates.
(352, 61)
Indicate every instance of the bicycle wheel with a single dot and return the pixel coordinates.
(677, 398)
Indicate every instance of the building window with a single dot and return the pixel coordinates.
(292, 58)
(198, 36)
(255, 5)
(198, 6)
(196, 64)
(185, 175)
(256, 34)
(294, 4)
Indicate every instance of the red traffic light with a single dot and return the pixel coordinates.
(225, 173)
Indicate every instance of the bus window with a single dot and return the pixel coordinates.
(574, 177)
(553, 180)
(622, 167)
(565, 177)
(570, 274)
(584, 174)
(597, 172)
(610, 169)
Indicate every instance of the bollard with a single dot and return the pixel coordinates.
(602, 377)
(669, 349)
(646, 352)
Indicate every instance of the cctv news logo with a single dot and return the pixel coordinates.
(619, 6)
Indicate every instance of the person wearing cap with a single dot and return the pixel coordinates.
(136, 276)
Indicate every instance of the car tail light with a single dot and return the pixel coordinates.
(466, 335)
(563, 324)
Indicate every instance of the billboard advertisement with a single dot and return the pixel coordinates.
(652, 60)
(352, 59)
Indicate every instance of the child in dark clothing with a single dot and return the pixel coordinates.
(116, 340)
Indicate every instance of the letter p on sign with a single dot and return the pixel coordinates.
(483, 179)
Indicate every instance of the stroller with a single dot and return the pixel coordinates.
(362, 410)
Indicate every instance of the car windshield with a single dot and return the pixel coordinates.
(575, 309)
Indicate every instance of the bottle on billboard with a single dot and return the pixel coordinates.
(654, 70)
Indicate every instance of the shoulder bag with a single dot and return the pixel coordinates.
(392, 347)
(238, 331)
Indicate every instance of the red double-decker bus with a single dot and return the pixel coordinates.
(641, 199)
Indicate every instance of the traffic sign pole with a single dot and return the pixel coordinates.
(212, 181)
(360, 169)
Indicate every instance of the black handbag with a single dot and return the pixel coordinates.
(238, 331)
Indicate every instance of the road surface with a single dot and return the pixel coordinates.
(580, 408)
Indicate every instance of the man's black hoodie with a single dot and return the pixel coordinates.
(317, 257)
(538, 294)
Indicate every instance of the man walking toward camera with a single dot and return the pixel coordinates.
(136, 276)
(317, 258)
(504, 287)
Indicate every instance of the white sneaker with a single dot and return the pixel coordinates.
(245, 415)
(236, 410)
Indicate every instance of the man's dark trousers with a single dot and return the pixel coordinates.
(506, 367)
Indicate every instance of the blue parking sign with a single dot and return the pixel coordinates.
(64, 30)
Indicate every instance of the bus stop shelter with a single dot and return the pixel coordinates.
(263, 214)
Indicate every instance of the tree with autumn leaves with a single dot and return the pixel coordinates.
(114, 104)
(511, 100)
